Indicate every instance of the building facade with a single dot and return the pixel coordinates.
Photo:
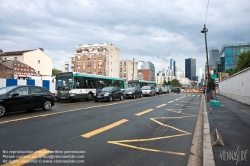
(230, 53)
(160, 78)
(99, 59)
(214, 57)
(147, 66)
(128, 70)
(145, 74)
(190, 69)
(37, 59)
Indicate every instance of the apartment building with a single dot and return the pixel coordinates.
(99, 59)
(128, 70)
(147, 69)
(36, 59)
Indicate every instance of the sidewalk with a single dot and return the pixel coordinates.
(232, 120)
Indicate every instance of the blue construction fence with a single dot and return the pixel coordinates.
(49, 84)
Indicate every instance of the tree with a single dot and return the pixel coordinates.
(243, 61)
(229, 71)
(55, 71)
(175, 82)
(164, 83)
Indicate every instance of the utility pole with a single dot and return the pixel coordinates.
(133, 68)
(205, 30)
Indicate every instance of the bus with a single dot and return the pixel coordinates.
(140, 83)
(74, 86)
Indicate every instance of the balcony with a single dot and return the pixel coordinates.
(99, 72)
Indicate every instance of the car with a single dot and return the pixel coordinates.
(109, 94)
(132, 92)
(24, 97)
(158, 90)
(148, 90)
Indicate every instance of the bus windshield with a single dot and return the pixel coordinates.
(64, 83)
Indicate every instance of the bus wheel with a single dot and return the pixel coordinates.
(90, 96)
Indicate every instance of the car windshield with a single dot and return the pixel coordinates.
(64, 83)
(107, 89)
(129, 90)
(156, 88)
(6, 90)
(146, 88)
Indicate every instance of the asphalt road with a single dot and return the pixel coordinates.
(144, 131)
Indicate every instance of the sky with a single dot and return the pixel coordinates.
(148, 30)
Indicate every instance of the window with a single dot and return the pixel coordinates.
(5, 58)
(38, 61)
(100, 56)
(35, 90)
(15, 58)
(21, 91)
(38, 72)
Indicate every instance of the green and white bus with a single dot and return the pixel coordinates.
(74, 86)
(140, 83)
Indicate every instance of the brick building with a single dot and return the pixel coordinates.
(146, 74)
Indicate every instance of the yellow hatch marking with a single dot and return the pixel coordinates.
(105, 128)
(144, 112)
(28, 158)
(159, 106)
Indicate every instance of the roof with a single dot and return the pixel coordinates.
(232, 45)
(16, 52)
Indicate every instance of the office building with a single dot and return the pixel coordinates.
(190, 69)
(147, 69)
(173, 66)
(230, 53)
(214, 57)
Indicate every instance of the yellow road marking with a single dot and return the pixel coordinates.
(144, 112)
(159, 106)
(105, 128)
(28, 158)
(181, 113)
(176, 99)
(153, 119)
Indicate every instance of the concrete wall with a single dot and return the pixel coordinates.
(237, 87)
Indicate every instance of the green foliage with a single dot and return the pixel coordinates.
(243, 61)
(175, 83)
(229, 71)
(55, 71)
(164, 83)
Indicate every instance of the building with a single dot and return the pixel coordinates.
(100, 59)
(200, 76)
(214, 57)
(172, 66)
(68, 66)
(36, 59)
(160, 78)
(190, 68)
(147, 69)
(230, 53)
(128, 70)
(179, 73)
(185, 82)
(5, 71)
(19, 69)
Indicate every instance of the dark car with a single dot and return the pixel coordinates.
(17, 98)
(132, 92)
(109, 94)
(158, 90)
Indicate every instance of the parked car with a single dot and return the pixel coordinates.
(24, 97)
(158, 90)
(132, 92)
(148, 90)
(109, 94)
(165, 90)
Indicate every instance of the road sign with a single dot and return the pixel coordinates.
(213, 76)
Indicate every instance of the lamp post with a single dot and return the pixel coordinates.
(205, 30)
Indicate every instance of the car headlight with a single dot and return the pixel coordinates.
(107, 94)
(129, 93)
(72, 94)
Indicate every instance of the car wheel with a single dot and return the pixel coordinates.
(47, 105)
(110, 98)
(155, 94)
(3, 110)
(134, 96)
(121, 98)
(141, 96)
(90, 97)
(96, 100)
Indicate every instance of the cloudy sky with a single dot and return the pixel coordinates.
(154, 30)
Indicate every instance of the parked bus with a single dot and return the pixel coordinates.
(73, 85)
(140, 83)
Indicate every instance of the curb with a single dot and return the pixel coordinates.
(208, 157)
